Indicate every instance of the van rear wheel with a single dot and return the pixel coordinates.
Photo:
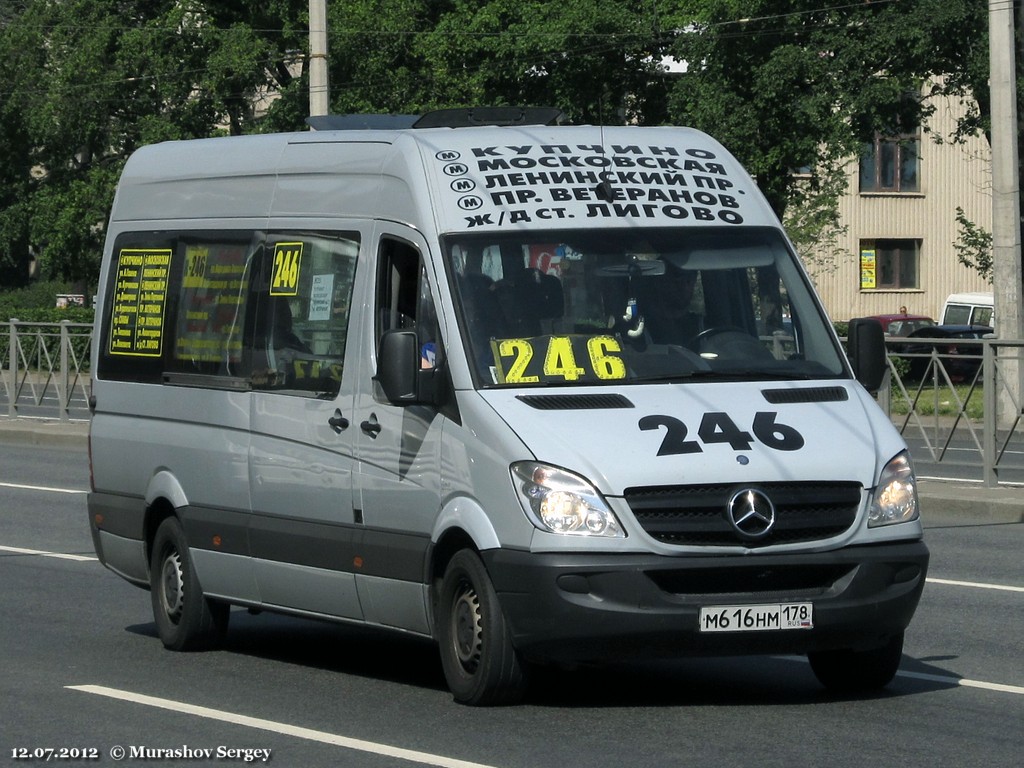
(185, 619)
(481, 665)
(847, 671)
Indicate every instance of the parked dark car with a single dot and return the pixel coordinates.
(961, 361)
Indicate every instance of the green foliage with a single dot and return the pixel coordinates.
(973, 245)
(36, 302)
(785, 84)
(86, 83)
(939, 401)
(790, 84)
(813, 222)
(901, 365)
(54, 315)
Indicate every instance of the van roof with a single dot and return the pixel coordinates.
(971, 297)
(459, 117)
(480, 178)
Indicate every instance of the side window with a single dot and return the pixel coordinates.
(229, 309)
(403, 298)
(296, 325)
(211, 303)
(174, 303)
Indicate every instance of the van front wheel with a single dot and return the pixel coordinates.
(480, 663)
(185, 619)
(848, 671)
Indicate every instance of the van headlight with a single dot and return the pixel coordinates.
(561, 502)
(895, 496)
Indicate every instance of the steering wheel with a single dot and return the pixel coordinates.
(741, 342)
(714, 330)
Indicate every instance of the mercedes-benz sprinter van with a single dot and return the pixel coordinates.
(542, 393)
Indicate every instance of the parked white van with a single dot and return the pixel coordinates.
(975, 308)
(545, 394)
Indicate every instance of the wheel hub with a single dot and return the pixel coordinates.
(467, 634)
(172, 595)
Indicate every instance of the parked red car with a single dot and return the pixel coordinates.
(903, 324)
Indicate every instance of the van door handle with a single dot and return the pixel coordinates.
(337, 421)
(371, 426)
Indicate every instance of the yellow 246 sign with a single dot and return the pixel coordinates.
(558, 359)
(284, 276)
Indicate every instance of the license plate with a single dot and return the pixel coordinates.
(756, 618)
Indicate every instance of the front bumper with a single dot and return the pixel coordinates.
(595, 607)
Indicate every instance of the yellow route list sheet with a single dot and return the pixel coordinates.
(139, 301)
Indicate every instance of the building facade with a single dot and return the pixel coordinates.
(900, 219)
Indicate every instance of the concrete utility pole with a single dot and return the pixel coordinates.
(1006, 235)
(319, 90)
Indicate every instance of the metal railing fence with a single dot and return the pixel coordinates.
(957, 403)
(44, 368)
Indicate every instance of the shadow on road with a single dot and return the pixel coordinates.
(406, 660)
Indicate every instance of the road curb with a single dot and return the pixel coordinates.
(944, 502)
(44, 432)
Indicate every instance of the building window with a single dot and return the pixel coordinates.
(889, 264)
(891, 164)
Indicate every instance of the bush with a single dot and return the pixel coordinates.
(902, 366)
(51, 315)
(36, 303)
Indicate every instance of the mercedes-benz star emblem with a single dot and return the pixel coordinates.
(751, 513)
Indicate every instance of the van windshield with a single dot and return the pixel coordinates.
(547, 308)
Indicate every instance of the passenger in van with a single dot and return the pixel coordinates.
(527, 297)
(284, 336)
(274, 343)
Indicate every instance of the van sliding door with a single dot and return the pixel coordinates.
(300, 460)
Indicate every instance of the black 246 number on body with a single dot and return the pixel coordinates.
(718, 427)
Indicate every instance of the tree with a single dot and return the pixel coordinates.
(86, 83)
(790, 84)
(785, 84)
(590, 58)
(17, 56)
(973, 245)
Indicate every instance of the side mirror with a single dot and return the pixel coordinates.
(398, 361)
(866, 349)
(399, 373)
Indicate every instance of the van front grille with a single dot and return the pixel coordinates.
(698, 515)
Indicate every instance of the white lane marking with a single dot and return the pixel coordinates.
(974, 585)
(962, 682)
(968, 481)
(1017, 689)
(41, 553)
(424, 758)
(40, 488)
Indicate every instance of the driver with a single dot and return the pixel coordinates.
(667, 304)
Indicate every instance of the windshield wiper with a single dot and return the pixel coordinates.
(746, 374)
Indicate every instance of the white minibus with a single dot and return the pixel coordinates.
(545, 394)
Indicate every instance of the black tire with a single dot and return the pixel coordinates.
(185, 619)
(480, 663)
(847, 671)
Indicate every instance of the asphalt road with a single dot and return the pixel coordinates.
(83, 670)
